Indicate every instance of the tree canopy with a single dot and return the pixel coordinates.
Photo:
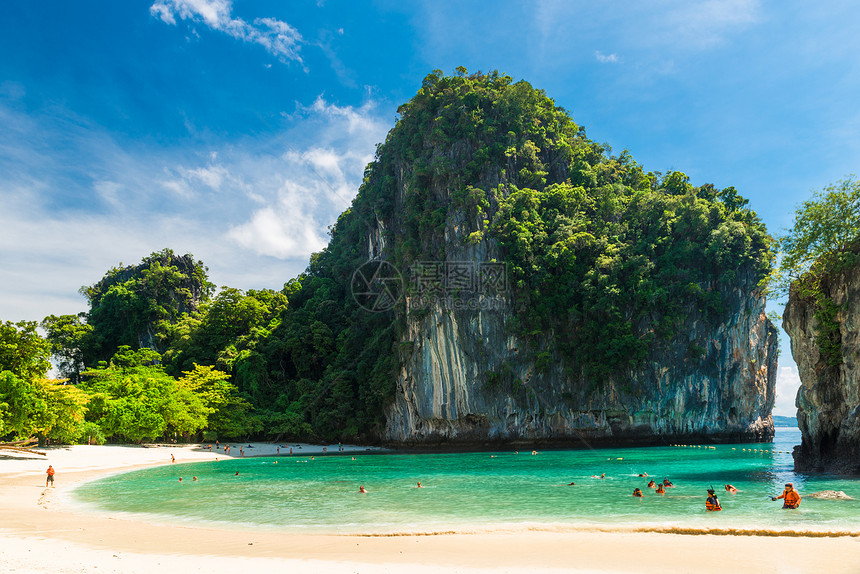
(823, 240)
(824, 226)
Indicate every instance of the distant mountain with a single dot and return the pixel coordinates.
(779, 421)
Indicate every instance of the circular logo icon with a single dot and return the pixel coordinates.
(376, 286)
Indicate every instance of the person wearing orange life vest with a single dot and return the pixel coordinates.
(712, 504)
(792, 499)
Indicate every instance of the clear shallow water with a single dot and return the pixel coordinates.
(469, 491)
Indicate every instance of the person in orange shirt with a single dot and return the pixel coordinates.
(792, 499)
(50, 479)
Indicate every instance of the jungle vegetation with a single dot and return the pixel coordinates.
(600, 252)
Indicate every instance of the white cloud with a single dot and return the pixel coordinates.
(653, 36)
(276, 36)
(253, 209)
(704, 24)
(787, 383)
(606, 59)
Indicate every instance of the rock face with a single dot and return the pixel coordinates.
(830, 495)
(455, 194)
(828, 401)
(443, 395)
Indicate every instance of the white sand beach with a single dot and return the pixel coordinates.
(41, 531)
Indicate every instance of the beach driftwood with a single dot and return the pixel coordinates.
(830, 495)
(21, 446)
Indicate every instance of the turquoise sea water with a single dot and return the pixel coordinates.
(474, 491)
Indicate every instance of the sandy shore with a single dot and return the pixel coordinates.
(40, 531)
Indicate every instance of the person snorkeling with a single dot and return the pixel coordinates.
(792, 499)
(712, 504)
(637, 493)
(652, 484)
(731, 489)
(660, 489)
(668, 483)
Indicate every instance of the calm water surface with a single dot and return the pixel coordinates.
(469, 491)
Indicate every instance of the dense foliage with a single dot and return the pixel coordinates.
(824, 239)
(594, 245)
(131, 306)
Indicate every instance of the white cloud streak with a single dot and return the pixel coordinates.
(276, 36)
(252, 209)
(606, 58)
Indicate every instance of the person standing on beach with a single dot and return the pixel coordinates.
(50, 478)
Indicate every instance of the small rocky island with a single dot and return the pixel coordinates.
(555, 293)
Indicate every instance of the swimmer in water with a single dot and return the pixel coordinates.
(194, 479)
(652, 484)
(660, 489)
(712, 504)
(637, 493)
(731, 489)
(668, 483)
(419, 485)
(361, 490)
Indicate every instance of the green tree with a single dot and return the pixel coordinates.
(137, 400)
(823, 227)
(823, 240)
(227, 411)
(23, 351)
(63, 418)
(21, 407)
(134, 305)
(68, 336)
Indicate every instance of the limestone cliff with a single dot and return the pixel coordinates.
(828, 401)
(444, 393)
(554, 292)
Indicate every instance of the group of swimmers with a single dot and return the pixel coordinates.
(659, 488)
(712, 503)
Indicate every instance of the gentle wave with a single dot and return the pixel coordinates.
(683, 530)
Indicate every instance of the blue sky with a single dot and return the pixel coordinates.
(239, 131)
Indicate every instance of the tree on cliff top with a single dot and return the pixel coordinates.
(823, 227)
(131, 305)
(822, 240)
